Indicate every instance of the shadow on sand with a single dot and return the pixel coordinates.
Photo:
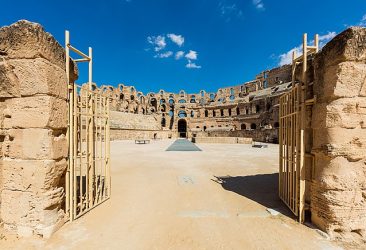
(261, 188)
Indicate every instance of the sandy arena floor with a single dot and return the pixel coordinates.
(212, 199)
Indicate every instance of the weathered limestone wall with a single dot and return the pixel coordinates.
(121, 120)
(223, 140)
(33, 93)
(265, 135)
(338, 191)
(128, 126)
(128, 134)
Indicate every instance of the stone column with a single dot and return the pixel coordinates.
(338, 192)
(34, 122)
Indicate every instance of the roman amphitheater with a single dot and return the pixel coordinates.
(275, 163)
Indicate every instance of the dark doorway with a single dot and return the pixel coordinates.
(182, 128)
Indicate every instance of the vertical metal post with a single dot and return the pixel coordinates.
(303, 92)
(90, 77)
(316, 43)
(108, 151)
(69, 196)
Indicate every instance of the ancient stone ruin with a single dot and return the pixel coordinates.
(34, 120)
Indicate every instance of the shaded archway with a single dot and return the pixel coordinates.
(182, 128)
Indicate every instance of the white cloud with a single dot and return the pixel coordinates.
(286, 58)
(324, 39)
(162, 47)
(191, 55)
(258, 4)
(363, 21)
(164, 54)
(192, 65)
(179, 55)
(229, 11)
(177, 39)
(158, 42)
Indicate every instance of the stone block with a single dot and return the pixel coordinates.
(25, 204)
(349, 45)
(35, 144)
(36, 112)
(53, 198)
(338, 211)
(345, 113)
(34, 176)
(350, 143)
(38, 76)
(9, 83)
(345, 79)
(25, 39)
(339, 173)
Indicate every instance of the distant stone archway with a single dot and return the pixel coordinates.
(182, 128)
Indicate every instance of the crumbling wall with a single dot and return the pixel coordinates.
(129, 126)
(338, 192)
(33, 94)
(265, 135)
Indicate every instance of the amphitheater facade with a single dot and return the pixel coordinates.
(247, 110)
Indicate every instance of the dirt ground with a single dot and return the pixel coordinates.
(216, 198)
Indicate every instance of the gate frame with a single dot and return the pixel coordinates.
(72, 132)
(295, 187)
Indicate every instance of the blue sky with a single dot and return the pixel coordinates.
(186, 44)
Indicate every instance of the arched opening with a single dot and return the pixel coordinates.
(257, 108)
(213, 113)
(163, 122)
(206, 113)
(192, 113)
(243, 126)
(229, 112)
(193, 99)
(268, 106)
(121, 97)
(204, 128)
(182, 114)
(221, 112)
(182, 128)
(163, 108)
(154, 103)
(253, 126)
(132, 97)
(237, 111)
(142, 99)
(276, 125)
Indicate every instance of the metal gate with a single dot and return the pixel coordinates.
(291, 146)
(88, 181)
(292, 134)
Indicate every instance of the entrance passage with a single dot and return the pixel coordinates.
(182, 128)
